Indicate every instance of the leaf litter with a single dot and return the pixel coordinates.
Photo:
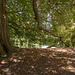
(39, 61)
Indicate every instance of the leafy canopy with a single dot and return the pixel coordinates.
(55, 16)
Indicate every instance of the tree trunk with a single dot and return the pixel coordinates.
(5, 44)
(73, 39)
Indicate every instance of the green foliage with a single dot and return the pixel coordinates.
(57, 16)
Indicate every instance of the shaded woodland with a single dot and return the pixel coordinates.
(25, 26)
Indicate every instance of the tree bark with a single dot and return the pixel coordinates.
(5, 44)
(73, 39)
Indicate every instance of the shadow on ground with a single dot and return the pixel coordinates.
(37, 61)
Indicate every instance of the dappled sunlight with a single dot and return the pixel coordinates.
(37, 37)
(62, 50)
(14, 60)
(3, 62)
(54, 71)
(7, 71)
(65, 50)
(69, 68)
(73, 59)
(39, 61)
(43, 54)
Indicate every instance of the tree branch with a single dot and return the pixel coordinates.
(35, 9)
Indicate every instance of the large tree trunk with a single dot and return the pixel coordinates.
(5, 45)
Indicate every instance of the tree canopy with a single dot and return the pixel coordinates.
(41, 22)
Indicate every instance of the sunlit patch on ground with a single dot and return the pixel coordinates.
(62, 50)
(65, 50)
(3, 62)
(69, 68)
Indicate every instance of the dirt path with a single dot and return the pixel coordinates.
(38, 61)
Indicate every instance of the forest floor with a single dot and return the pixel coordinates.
(37, 61)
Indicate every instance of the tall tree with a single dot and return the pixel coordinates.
(5, 45)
